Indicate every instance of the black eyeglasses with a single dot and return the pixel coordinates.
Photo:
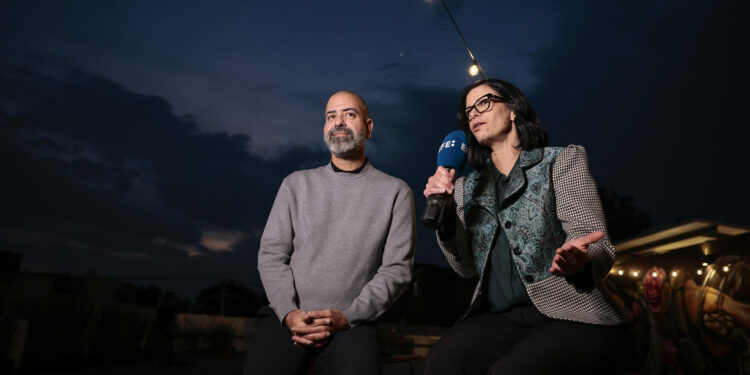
(483, 104)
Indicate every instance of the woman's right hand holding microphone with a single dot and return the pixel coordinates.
(441, 182)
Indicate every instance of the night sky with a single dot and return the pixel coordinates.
(148, 138)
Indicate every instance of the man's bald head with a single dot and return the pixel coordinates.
(364, 111)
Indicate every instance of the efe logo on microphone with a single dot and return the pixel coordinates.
(451, 143)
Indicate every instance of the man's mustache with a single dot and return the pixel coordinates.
(340, 128)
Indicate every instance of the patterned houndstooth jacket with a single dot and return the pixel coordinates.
(550, 199)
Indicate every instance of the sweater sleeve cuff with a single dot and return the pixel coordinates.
(352, 316)
(281, 313)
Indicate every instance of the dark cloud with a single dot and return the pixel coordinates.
(131, 136)
(91, 167)
(656, 91)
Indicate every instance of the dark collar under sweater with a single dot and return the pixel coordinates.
(337, 169)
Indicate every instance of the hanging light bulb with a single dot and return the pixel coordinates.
(700, 272)
(474, 69)
(674, 273)
(620, 272)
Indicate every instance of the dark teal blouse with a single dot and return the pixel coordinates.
(504, 286)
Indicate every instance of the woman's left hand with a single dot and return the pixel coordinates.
(573, 256)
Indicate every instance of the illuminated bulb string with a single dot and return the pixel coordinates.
(474, 69)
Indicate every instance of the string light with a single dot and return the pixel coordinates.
(674, 273)
(474, 69)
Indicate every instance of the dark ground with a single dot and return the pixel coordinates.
(206, 364)
(203, 364)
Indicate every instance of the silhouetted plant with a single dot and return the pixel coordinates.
(624, 219)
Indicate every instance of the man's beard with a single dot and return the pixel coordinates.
(343, 146)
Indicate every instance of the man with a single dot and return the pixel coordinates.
(336, 252)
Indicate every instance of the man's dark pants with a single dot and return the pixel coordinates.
(271, 350)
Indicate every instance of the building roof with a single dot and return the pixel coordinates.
(690, 233)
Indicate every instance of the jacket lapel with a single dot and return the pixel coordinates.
(483, 189)
(517, 177)
(482, 214)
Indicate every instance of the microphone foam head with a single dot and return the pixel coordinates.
(452, 152)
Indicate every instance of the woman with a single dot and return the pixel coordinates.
(528, 222)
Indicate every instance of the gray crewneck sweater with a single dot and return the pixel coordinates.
(339, 241)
